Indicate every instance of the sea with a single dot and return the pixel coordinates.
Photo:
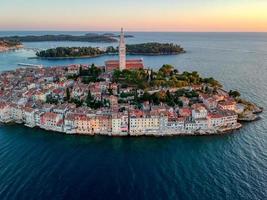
(36, 164)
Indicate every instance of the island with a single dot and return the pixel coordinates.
(89, 37)
(70, 52)
(131, 49)
(87, 100)
(6, 45)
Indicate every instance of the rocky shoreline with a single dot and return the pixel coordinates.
(251, 115)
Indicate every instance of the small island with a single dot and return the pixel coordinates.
(87, 100)
(6, 45)
(131, 49)
(70, 52)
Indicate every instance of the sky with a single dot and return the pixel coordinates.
(135, 15)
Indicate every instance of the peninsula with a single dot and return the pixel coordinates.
(133, 49)
(82, 99)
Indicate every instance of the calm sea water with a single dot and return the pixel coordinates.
(35, 164)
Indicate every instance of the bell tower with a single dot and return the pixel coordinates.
(122, 51)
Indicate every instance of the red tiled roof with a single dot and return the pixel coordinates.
(130, 64)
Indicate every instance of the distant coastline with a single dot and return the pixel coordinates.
(89, 37)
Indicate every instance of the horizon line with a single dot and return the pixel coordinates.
(132, 31)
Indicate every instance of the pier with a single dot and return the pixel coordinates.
(29, 65)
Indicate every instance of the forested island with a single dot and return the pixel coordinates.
(90, 37)
(151, 48)
(71, 52)
(6, 45)
(132, 49)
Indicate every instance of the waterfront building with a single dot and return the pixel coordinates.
(215, 120)
(69, 123)
(176, 125)
(227, 105)
(199, 112)
(28, 116)
(105, 124)
(52, 121)
(95, 124)
(37, 117)
(144, 124)
(5, 115)
(82, 123)
(16, 113)
(120, 123)
(230, 118)
(190, 126)
(202, 124)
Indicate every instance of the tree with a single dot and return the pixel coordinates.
(166, 69)
(67, 94)
(234, 93)
(89, 99)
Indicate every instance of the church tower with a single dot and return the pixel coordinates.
(122, 51)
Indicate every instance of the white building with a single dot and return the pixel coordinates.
(215, 120)
(5, 114)
(120, 124)
(175, 126)
(202, 124)
(145, 125)
(29, 116)
(16, 113)
(199, 113)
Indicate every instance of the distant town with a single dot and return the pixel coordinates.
(122, 98)
(6, 45)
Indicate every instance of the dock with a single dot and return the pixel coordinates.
(29, 65)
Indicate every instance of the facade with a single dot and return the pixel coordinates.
(82, 125)
(120, 123)
(28, 115)
(227, 105)
(199, 112)
(16, 113)
(5, 114)
(52, 121)
(146, 124)
(215, 120)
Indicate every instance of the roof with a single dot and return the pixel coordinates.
(130, 64)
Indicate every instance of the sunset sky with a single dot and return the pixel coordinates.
(134, 15)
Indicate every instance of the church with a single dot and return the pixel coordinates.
(122, 63)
